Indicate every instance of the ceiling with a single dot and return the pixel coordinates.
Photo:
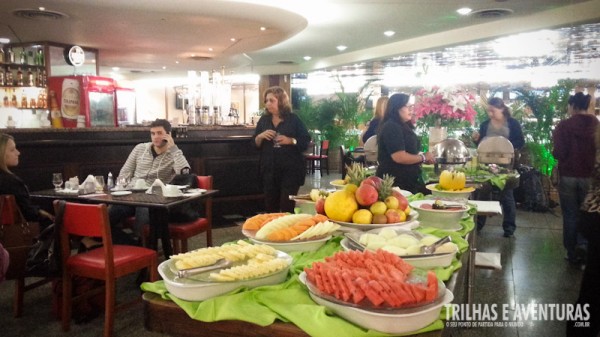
(171, 37)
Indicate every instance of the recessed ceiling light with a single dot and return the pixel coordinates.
(263, 28)
(115, 68)
(341, 47)
(164, 67)
(307, 58)
(232, 39)
(176, 62)
(42, 8)
(4, 40)
(389, 33)
(210, 49)
(464, 10)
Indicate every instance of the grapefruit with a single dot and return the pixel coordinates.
(341, 205)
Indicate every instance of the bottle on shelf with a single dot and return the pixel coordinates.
(24, 100)
(9, 77)
(39, 57)
(10, 56)
(110, 183)
(2, 55)
(2, 80)
(32, 103)
(10, 123)
(19, 77)
(5, 101)
(23, 56)
(30, 80)
(13, 100)
(44, 78)
(55, 116)
(41, 101)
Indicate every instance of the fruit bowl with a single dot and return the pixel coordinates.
(412, 255)
(196, 289)
(465, 193)
(399, 321)
(408, 224)
(290, 246)
(446, 219)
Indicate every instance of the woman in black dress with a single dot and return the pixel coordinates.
(281, 138)
(398, 146)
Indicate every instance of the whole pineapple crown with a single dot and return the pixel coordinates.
(385, 189)
(356, 173)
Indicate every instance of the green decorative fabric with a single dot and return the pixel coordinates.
(290, 301)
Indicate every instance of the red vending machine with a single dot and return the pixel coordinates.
(84, 101)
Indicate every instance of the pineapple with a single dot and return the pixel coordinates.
(385, 189)
(355, 173)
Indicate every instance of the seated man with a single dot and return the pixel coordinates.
(158, 159)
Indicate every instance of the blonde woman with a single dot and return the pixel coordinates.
(373, 124)
(11, 184)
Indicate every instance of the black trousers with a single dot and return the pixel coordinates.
(589, 293)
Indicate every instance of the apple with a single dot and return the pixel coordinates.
(392, 216)
(402, 201)
(392, 202)
(379, 219)
(378, 207)
(320, 206)
(374, 181)
(366, 195)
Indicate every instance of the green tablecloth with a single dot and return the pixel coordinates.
(290, 301)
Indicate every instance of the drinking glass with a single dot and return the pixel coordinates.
(275, 142)
(57, 180)
(99, 183)
(122, 182)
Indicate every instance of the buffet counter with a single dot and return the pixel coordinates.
(225, 152)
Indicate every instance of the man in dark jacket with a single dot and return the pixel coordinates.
(574, 149)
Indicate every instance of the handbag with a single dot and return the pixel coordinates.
(44, 258)
(16, 235)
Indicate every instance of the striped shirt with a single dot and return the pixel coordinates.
(141, 164)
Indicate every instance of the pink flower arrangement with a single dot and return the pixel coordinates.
(447, 106)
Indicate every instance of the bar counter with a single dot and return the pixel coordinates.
(225, 152)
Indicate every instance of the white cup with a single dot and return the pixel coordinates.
(140, 184)
(171, 191)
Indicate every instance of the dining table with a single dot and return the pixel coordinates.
(157, 204)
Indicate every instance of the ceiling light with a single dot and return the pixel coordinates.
(389, 33)
(341, 47)
(263, 28)
(115, 68)
(464, 10)
(42, 8)
(232, 39)
(210, 49)
(307, 58)
(176, 62)
(164, 67)
(4, 40)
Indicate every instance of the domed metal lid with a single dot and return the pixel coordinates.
(451, 151)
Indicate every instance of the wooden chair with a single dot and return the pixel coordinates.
(106, 263)
(11, 216)
(321, 158)
(371, 151)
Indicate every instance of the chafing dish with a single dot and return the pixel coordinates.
(496, 150)
(449, 152)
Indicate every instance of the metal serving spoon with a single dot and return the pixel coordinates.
(432, 247)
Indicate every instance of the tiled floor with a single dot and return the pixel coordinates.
(533, 271)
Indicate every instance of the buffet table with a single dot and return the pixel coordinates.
(284, 309)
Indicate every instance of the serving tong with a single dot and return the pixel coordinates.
(221, 263)
(425, 250)
(430, 249)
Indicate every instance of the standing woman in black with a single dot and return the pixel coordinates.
(398, 146)
(281, 138)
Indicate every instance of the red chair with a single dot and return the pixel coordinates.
(106, 263)
(11, 216)
(321, 158)
(181, 232)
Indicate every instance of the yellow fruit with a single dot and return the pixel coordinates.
(403, 216)
(378, 207)
(362, 216)
(451, 180)
(407, 211)
(341, 205)
(351, 188)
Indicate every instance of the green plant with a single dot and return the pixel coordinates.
(541, 111)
